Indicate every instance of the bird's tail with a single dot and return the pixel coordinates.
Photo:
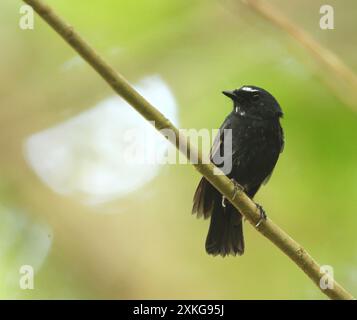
(205, 197)
(225, 234)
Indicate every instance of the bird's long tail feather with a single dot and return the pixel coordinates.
(225, 234)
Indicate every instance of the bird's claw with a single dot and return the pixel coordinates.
(237, 188)
(262, 213)
(223, 201)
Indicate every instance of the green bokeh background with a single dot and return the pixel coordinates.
(150, 246)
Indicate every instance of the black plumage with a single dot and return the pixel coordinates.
(257, 141)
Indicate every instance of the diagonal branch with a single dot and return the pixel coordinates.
(326, 57)
(242, 202)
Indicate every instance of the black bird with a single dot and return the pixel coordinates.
(257, 140)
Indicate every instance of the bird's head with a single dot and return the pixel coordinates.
(254, 102)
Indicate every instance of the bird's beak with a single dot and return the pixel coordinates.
(229, 94)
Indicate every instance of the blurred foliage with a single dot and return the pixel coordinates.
(150, 246)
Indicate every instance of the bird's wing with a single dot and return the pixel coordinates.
(282, 144)
(218, 143)
(266, 180)
(282, 140)
(206, 196)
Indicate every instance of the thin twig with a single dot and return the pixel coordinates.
(323, 55)
(241, 201)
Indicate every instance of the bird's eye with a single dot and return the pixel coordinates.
(255, 97)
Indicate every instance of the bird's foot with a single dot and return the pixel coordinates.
(223, 201)
(263, 215)
(237, 188)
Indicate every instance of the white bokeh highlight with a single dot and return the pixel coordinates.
(87, 155)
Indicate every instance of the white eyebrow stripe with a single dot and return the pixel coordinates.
(249, 89)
